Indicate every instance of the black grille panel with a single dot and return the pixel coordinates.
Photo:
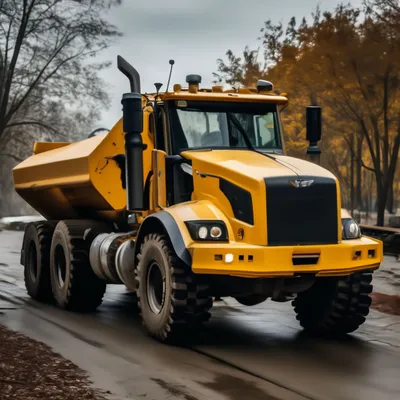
(301, 215)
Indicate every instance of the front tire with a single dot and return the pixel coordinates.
(74, 284)
(335, 306)
(171, 299)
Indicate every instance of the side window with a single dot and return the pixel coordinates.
(265, 127)
(156, 128)
(213, 122)
(194, 125)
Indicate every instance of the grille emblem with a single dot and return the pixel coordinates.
(300, 183)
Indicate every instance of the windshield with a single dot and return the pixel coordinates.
(224, 125)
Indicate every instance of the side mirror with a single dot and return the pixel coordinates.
(314, 128)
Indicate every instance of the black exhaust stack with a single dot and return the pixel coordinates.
(313, 133)
(133, 127)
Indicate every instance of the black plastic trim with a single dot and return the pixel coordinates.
(170, 161)
(169, 225)
(303, 215)
(146, 191)
(194, 225)
(240, 199)
(120, 160)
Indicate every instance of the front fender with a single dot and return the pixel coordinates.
(171, 221)
(163, 222)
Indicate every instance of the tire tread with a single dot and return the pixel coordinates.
(335, 306)
(85, 290)
(190, 298)
(44, 231)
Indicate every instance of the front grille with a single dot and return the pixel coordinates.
(301, 215)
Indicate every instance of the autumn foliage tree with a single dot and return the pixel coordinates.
(348, 61)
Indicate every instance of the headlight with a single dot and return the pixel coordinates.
(350, 229)
(207, 230)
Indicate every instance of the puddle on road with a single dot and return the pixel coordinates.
(4, 308)
(237, 389)
(173, 389)
(76, 335)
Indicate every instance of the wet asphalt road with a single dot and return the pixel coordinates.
(243, 353)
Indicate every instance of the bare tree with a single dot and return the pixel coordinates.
(379, 7)
(45, 47)
(49, 83)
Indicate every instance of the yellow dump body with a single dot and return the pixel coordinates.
(78, 179)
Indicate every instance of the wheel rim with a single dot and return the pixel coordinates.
(32, 261)
(60, 264)
(155, 288)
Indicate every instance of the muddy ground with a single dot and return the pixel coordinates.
(30, 370)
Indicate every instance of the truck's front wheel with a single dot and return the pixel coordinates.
(172, 301)
(335, 305)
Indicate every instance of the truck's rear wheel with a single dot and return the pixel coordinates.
(36, 259)
(74, 284)
(172, 301)
(335, 305)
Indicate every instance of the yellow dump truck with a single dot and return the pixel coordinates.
(190, 196)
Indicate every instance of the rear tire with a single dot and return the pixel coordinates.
(74, 284)
(35, 258)
(171, 300)
(335, 306)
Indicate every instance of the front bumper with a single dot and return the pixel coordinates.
(249, 261)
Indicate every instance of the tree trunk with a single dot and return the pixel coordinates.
(390, 200)
(382, 194)
(352, 194)
(2, 187)
(359, 202)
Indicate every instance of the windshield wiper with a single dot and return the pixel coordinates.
(240, 128)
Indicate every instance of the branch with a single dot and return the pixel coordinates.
(37, 123)
(14, 59)
(355, 157)
(39, 20)
(15, 107)
(66, 60)
(16, 158)
(359, 81)
(395, 154)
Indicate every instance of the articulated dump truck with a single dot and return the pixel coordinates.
(188, 198)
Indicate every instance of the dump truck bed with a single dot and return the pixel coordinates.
(78, 179)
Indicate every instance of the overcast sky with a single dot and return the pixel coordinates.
(192, 32)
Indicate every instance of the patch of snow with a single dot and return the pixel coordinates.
(23, 218)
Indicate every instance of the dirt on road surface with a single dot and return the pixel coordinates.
(386, 303)
(255, 353)
(29, 370)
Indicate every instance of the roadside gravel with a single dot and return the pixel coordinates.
(29, 370)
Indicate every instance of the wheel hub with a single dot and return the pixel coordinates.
(32, 261)
(155, 288)
(61, 265)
